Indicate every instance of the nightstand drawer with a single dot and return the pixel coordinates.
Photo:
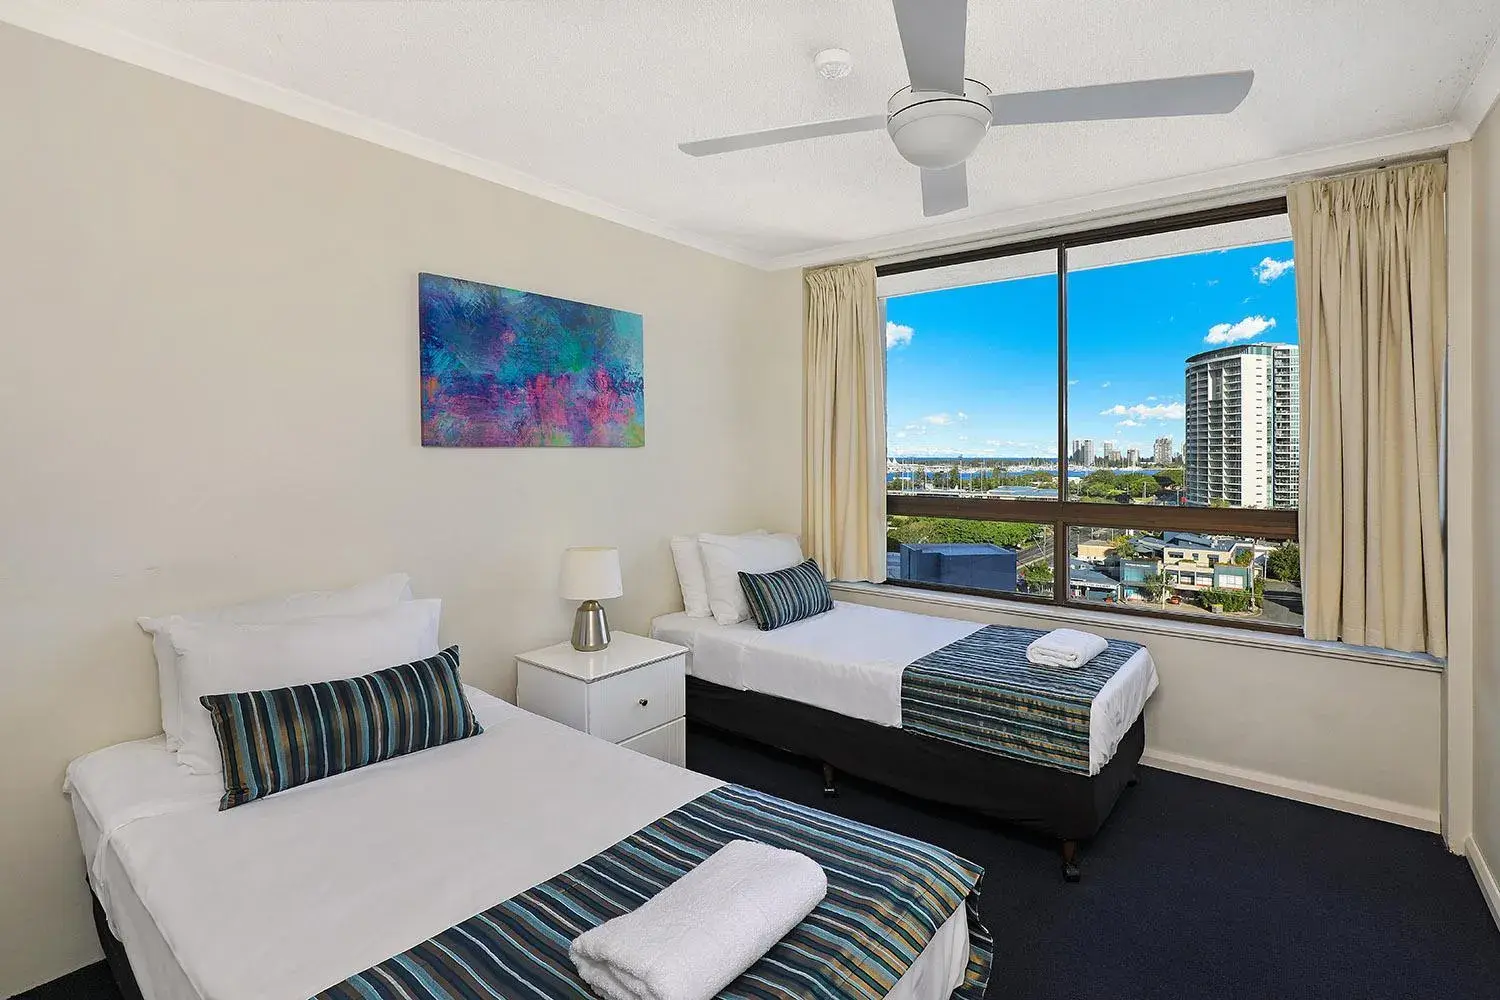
(668, 743)
(628, 704)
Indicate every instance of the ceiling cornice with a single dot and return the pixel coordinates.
(87, 33)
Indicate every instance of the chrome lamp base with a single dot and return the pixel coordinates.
(590, 628)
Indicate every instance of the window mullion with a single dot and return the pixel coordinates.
(1060, 561)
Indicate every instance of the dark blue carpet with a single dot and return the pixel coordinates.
(1193, 891)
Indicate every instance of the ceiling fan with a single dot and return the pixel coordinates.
(939, 120)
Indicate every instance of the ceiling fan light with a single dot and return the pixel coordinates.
(936, 130)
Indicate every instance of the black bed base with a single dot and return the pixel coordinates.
(1070, 807)
(114, 954)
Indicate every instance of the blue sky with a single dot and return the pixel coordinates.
(973, 371)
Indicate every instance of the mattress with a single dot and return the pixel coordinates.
(850, 661)
(293, 894)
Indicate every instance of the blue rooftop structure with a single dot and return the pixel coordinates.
(979, 565)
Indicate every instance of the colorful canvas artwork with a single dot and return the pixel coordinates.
(508, 369)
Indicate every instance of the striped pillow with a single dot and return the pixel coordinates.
(278, 739)
(787, 595)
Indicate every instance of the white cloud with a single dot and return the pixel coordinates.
(1246, 329)
(1150, 399)
(897, 335)
(1072, 381)
(962, 415)
(1140, 411)
(1270, 269)
(1128, 423)
(938, 419)
(1104, 385)
(1212, 282)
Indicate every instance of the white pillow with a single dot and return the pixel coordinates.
(372, 596)
(726, 556)
(215, 658)
(690, 577)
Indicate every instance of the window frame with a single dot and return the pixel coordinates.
(1273, 524)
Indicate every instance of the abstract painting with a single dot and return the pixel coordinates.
(508, 369)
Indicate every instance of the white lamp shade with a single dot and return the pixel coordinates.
(590, 574)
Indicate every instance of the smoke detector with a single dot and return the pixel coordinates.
(833, 64)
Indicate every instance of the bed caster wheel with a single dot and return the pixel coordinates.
(1071, 872)
(830, 791)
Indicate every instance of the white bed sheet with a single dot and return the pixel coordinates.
(293, 894)
(850, 661)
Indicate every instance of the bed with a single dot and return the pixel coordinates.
(831, 688)
(335, 887)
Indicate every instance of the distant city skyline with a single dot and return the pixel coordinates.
(973, 371)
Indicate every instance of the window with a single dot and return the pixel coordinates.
(1102, 419)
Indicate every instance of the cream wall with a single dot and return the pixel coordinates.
(1486, 237)
(208, 392)
(1357, 735)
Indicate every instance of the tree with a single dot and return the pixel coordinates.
(1169, 478)
(1137, 484)
(1101, 484)
(1285, 563)
(1218, 502)
(919, 530)
(1124, 547)
(1244, 557)
(1232, 601)
(1038, 576)
(1156, 588)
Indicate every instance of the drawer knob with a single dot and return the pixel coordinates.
(643, 702)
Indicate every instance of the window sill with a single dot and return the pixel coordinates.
(1152, 626)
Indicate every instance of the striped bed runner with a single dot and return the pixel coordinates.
(981, 692)
(887, 896)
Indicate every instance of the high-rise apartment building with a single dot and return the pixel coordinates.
(1162, 453)
(1133, 457)
(1083, 453)
(1286, 427)
(1243, 426)
(1111, 453)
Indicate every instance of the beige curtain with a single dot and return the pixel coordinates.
(843, 511)
(1372, 306)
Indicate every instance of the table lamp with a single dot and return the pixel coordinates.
(590, 574)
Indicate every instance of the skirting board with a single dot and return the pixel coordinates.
(1301, 791)
(1485, 876)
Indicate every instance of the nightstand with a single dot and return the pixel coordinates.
(634, 693)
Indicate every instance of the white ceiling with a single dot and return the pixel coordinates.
(588, 98)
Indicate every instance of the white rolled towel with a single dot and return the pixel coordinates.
(698, 934)
(1065, 647)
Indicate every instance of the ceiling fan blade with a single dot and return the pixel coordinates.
(1210, 94)
(774, 136)
(945, 190)
(932, 36)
